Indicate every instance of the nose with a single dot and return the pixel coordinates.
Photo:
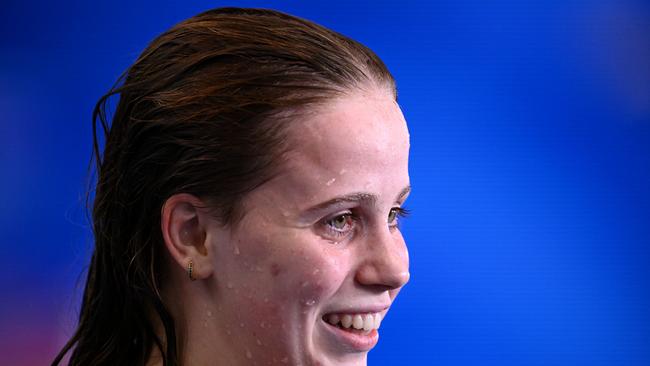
(385, 262)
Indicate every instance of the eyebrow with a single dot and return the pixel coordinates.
(403, 193)
(359, 197)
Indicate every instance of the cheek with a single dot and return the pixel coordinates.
(288, 294)
(277, 275)
(308, 278)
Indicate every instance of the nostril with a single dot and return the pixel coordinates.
(382, 277)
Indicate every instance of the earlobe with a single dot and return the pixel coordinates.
(183, 225)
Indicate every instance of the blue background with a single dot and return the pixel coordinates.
(530, 126)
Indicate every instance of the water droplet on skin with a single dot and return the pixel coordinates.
(241, 325)
(342, 171)
(228, 332)
(236, 250)
(209, 313)
(316, 271)
(310, 302)
(263, 325)
(305, 284)
(329, 182)
(229, 285)
(205, 324)
(249, 355)
(259, 343)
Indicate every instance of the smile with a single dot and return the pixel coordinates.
(365, 322)
(357, 332)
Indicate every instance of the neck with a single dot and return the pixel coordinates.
(201, 335)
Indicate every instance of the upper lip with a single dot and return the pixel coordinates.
(359, 309)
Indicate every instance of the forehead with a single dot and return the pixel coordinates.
(351, 143)
(355, 123)
(358, 144)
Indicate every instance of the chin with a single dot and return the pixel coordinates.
(334, 345)
(357, 359)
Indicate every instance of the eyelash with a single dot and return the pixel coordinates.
(400, 213)
(352, 219)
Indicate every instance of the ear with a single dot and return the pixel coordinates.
(184, 221)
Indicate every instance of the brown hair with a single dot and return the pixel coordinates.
(203, 110)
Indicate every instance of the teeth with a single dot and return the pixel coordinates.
(346, 321)
(368, 322)
(377, 320)
(357, 322)
(365, 322)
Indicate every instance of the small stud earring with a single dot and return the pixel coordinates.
(190, 268)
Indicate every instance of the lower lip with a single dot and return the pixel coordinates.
(355, 340)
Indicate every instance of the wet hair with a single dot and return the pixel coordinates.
(204, 110)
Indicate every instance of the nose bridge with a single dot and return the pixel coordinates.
(385, 261)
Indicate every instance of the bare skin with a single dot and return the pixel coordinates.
(265, 288)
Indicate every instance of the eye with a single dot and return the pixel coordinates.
(396, 213)
(340, 222)
(339, 226)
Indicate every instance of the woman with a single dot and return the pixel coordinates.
(247, 200)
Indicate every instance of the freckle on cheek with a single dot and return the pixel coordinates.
(275, 269)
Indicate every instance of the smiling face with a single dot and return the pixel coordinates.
(318, 252)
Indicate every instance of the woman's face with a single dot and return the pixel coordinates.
(314, 265)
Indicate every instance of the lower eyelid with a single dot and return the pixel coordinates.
(338, 234)
(342, 232)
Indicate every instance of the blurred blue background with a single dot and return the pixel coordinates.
(530, 126)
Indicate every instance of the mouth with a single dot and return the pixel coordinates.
(357, 331)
